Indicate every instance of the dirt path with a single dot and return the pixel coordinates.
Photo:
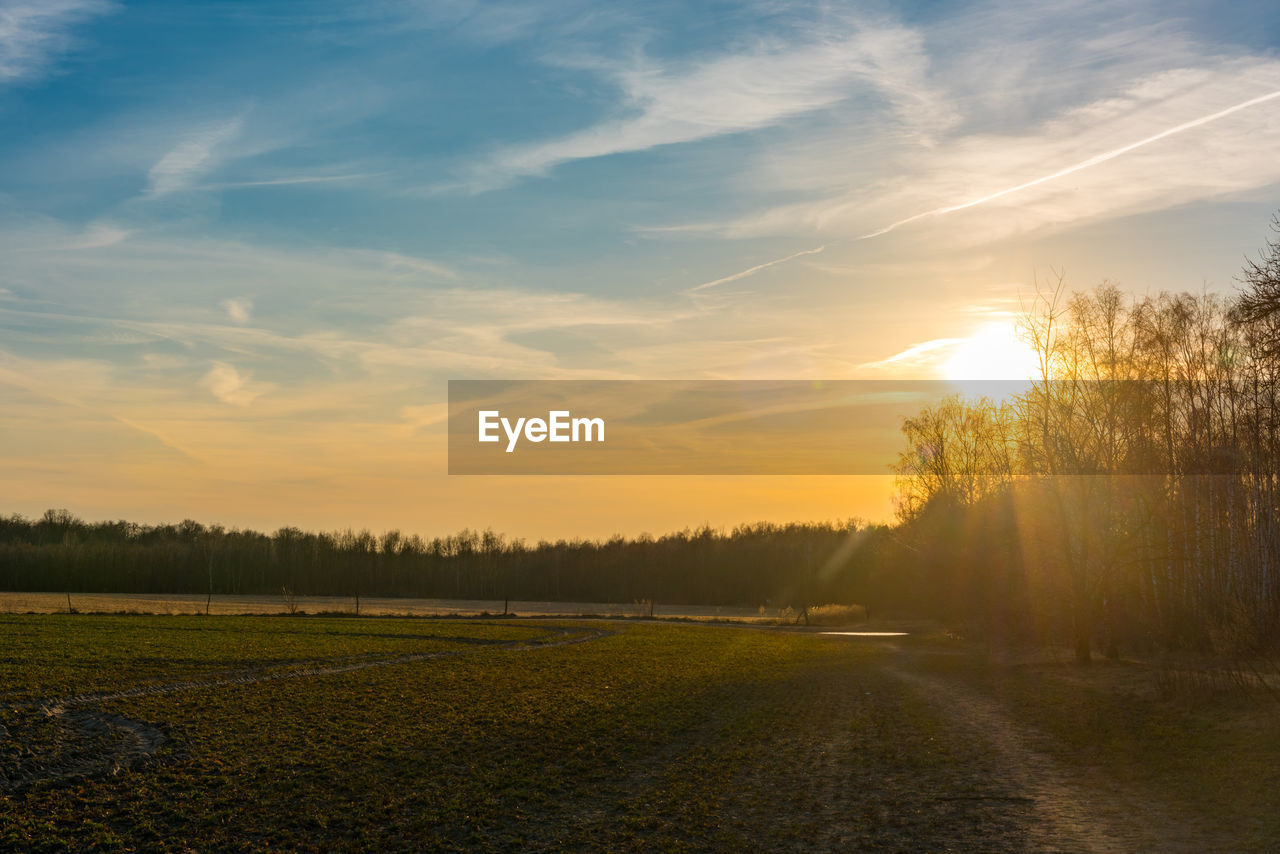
(327, 667)
(1072, 809)
(67, 739)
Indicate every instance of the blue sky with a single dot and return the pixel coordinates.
(245, 244)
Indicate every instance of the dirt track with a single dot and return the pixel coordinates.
(1067, 810)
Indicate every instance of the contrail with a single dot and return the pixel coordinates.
(13, 378)
(1085, 164)
(754, 270)
(320, 179)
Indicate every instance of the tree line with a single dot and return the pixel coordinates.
(750, 565)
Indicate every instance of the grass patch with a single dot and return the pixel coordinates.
(837, 615)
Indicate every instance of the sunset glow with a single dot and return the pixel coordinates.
(996, 351)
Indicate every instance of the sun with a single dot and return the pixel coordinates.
(994, 352)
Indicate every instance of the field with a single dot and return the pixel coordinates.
(225, 604)
(323, 733)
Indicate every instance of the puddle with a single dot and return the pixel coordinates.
(867, 634)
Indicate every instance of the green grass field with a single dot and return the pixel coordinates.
(176, 733)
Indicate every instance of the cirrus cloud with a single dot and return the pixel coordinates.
(32, 34)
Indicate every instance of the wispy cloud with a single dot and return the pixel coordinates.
(926, 353)
(735, 92)
(98, 235)
(230, 386)
(32, 34)
(382, 322)
(238, 309)
(191, 158)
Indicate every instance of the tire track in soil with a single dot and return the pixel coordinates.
(816, 764)
(851, 769)
(87, 743)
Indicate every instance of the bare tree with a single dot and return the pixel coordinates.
(1261, 277)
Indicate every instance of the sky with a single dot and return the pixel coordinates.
(245, 245)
